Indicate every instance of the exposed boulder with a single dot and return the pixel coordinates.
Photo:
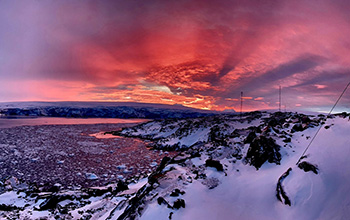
(276, 119)
(306, 166)
(297, 127)
(55, 188)
(328, 126)
(162, 201)
(214, 163)
(287, 140)
(51, 202)
(176, 193)
(305, 119)
(272, 122)
(263, 149)
(179, 203)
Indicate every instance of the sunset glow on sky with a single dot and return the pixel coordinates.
(198, 53)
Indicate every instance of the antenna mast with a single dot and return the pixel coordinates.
(241, 103)
(279, 102)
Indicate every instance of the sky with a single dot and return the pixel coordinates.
(197, 53)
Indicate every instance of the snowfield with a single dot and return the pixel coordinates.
(227, 168)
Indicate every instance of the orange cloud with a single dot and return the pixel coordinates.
(259, 98)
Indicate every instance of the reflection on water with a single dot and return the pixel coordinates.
(103, 134)
(8, 122)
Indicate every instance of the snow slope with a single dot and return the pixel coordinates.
(246, 193)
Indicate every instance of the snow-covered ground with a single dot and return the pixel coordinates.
(229, 168)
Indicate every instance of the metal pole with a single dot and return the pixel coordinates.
(279, 103)
(241, 103)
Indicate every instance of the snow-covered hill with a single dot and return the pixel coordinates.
(228, 168)
(100, 110)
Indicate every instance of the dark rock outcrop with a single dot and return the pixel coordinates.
(328, 126)
(287, 140)
(99, 191)
(306, 166)
(162, 201)
(216, 137)
(179, 203)
(135, 203)
(280, 193)
(51, 202)
(176, 193)
(153, 178)
(297, 127)
(214, 163)
(276, 119)
(7, 208)
(305, 119)
(251, 136)
(263, 149)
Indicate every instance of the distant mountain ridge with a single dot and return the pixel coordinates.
(101, 110)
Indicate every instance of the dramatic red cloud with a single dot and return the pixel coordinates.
(197, 53)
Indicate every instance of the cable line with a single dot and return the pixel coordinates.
(318, 130)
